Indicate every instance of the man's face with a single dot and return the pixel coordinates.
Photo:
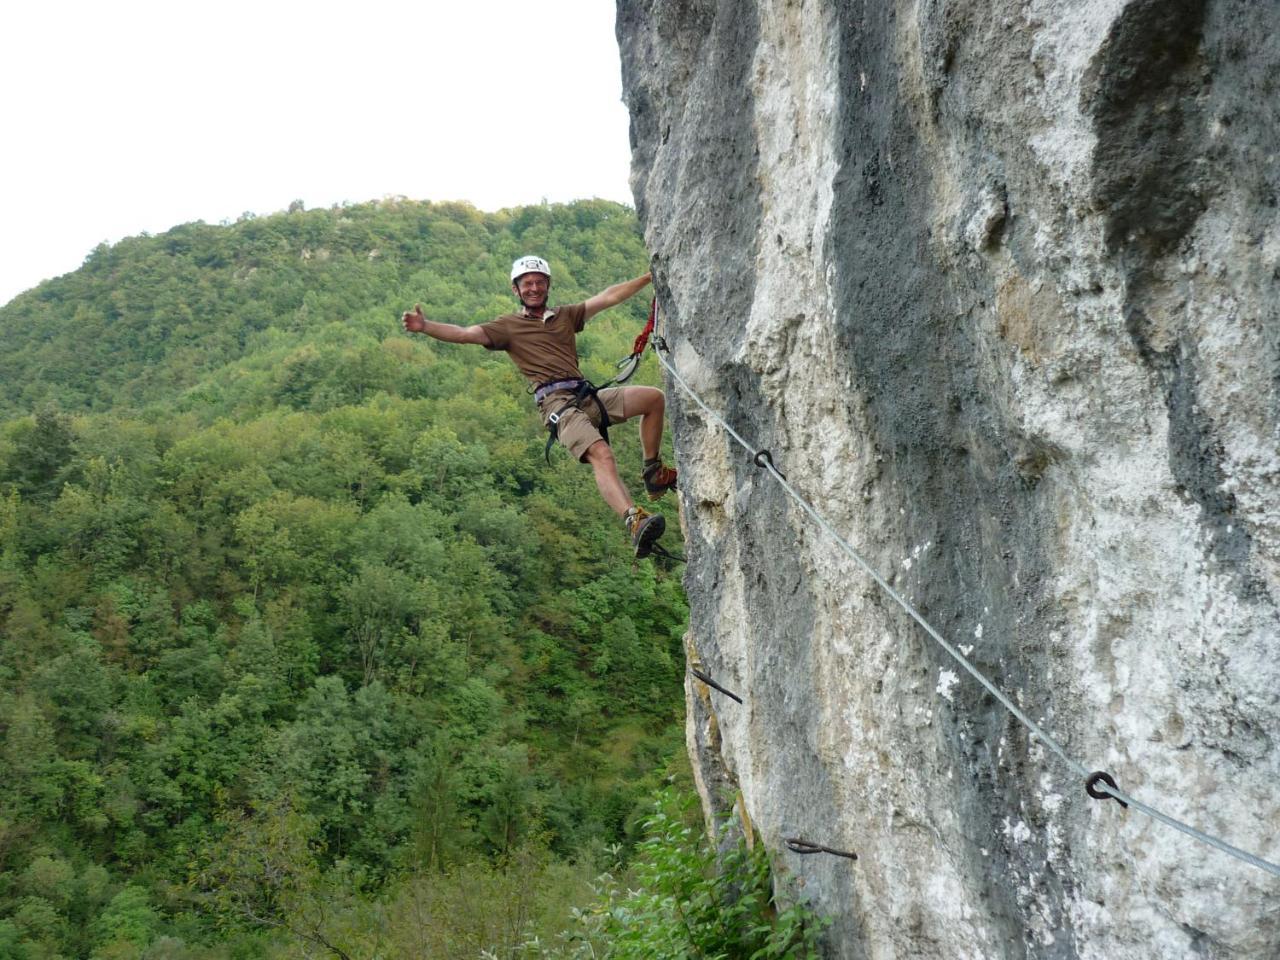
(532, 289)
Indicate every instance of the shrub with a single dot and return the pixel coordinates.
(689, 902)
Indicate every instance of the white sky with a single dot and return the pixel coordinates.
(124, 116)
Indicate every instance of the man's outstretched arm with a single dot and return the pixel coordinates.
(614, 295)
(415, 321)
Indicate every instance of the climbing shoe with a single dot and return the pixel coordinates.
(658, 479)
(644, 529)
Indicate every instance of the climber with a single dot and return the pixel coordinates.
(541, 341)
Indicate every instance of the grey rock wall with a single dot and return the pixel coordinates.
(998, 283)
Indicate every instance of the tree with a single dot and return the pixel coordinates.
(40, 452)
(129, 919)
(376, 605)
(277, 550)
(264, 871)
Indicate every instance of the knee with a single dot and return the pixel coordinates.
(599, 454)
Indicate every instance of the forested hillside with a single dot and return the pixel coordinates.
(151, 318)
(295, 616)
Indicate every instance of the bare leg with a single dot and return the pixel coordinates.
(611, 486)
(648, 403)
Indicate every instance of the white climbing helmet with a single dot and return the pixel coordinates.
(530, 265)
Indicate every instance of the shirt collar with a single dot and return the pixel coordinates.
(547, 314)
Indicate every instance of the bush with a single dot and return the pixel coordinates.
(687, 902)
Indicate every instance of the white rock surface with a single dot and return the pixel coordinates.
(998, 284)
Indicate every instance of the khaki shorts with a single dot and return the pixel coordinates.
(579, 427)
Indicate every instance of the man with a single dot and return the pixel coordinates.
(542, 342)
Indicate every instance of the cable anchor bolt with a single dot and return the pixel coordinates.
(764, 457)
(1101, 776)
(805, 847)
(711, 683)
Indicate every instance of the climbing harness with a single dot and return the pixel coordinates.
(546, 389)
(1099, 784)
(582, 390)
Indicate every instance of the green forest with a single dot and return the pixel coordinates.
(306, 650)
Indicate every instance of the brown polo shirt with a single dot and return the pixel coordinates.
(543, 349)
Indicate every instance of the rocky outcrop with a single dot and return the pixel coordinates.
(998, 283)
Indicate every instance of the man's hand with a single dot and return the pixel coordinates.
(415, 321)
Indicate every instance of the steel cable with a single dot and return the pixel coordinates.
(955, 654)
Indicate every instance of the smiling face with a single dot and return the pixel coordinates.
(532, 289)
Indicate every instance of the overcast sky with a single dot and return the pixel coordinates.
(127, 116)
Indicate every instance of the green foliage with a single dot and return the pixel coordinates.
(272, 572)
(678, 898)
(527, 896)
(129, 917)
(39, 449)
(685, 900)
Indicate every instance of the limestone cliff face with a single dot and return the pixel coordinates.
(998, 283)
